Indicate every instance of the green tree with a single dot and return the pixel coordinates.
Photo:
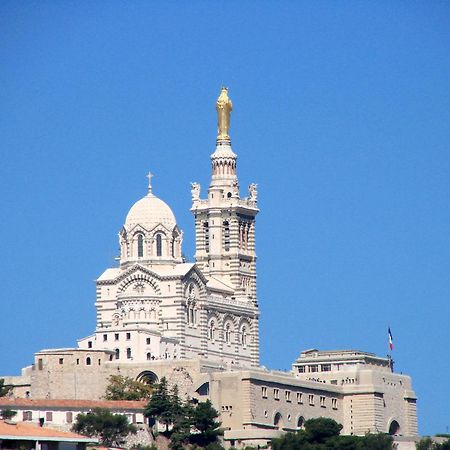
(321, 429)
(181, 431)
(4, 390)
(323, 434)
(378, 441)
(7, 414)
(204, 421)
(427, 443)
(160, 406)
(110, 429)
(125, 388)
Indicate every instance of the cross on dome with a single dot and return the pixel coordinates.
(150, 176)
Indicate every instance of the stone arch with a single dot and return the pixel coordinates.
(230, 318)
(199, 284)
(278, 421)
(138, 277)
(394, 428)
(148, 377)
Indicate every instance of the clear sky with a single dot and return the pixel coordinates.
(341, 115)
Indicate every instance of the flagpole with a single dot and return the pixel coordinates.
(391, 346)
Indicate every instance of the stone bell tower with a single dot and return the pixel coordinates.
(225, 222)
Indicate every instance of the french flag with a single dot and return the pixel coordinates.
(391, 342)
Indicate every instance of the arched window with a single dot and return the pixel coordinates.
(149, 356)
(228, 333)
(244, 336)
(117, 353)
(129, 353)
(140, 245)
(300, 423)
(212, 330)
(158, 245)
(88, 361)
(278, 421)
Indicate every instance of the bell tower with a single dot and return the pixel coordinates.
(225, 222)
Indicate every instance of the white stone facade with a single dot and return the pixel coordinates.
(197, 324)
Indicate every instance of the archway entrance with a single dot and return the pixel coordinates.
(394, 428)
(148, 377)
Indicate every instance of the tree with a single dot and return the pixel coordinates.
(378, 441)
(204, 421)
(323, 434)
(110, 429)
(160, 405)
(427, 443)
(125, 388)
(7, 414)
(321, 429)
(4, 390)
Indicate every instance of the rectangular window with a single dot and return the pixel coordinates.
(314, 368)
(311, 399)
(78, 361)
(276, 394)
(61, 360)
(69, 417)
(334, 403)
(299, 398)
(264, 392)
(322, 401)
(301, 369)
(105, 337)
(116, 336)
(326, 367)
(147, 341)
(89, 344)
(40, 364)
(287, 395)
(27, 416)
(49, 416)
(128, 336)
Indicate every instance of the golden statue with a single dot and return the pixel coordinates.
(224, 108)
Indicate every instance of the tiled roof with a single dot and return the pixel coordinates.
(71, 404)
(26, 431)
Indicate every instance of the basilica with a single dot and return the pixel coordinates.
(197, 325)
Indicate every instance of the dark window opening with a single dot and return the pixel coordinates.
(158, 245)
(140, 245)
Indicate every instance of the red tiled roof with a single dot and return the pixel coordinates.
(26, 431)
(70, 404)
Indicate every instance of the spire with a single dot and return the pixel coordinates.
(149, 176)
(223, 108)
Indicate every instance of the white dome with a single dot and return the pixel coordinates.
(149, 212)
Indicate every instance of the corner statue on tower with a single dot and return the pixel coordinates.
(224, 108)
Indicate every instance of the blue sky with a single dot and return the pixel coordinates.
(341, 115)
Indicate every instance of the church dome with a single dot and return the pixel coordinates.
(149, 212)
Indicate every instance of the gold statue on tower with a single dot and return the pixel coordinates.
(224, 108)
